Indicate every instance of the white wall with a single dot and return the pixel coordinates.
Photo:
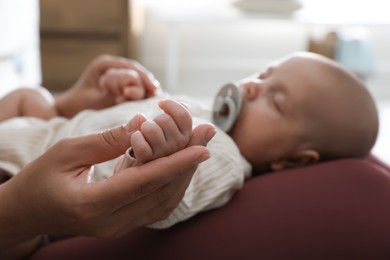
(214, 51)
(379, 83)
(19, 44)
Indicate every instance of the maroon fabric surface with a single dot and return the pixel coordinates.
(333, 210)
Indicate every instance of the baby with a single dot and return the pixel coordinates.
(304, 109)
(301, 110)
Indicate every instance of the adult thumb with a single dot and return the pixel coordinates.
(202, 134)
(96, 148)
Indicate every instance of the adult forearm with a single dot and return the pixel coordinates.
(15, 242)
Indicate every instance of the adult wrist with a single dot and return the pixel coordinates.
(66, 105)
(16, 240)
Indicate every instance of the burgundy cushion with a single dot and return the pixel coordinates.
(333, 210)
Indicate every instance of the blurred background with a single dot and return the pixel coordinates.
(194, 46)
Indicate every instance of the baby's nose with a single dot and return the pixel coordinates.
(251, 89)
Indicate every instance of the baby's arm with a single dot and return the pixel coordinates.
(34, 102)
(168, 133)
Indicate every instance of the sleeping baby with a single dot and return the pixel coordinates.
(303, 109)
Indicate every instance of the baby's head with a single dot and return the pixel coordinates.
(303, 109)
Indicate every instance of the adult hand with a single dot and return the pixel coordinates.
(87, 93)
(54, 194)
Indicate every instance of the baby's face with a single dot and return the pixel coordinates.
(270, 125)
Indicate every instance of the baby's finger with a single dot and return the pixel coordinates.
(180, 115)
(105, 62)
(115, 80)
(175, 140)
(142, 151)
(109, 81)
(133, 92)
(154, 135)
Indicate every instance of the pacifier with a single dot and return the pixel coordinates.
(227, 106)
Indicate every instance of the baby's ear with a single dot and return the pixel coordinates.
(297, 159)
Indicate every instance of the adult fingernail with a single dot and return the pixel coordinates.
(184, 105)
(133, 124)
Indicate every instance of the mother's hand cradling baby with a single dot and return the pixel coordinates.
(54, 194)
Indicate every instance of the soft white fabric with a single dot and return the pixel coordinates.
(214, 183)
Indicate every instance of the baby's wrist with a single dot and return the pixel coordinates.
(127, 160)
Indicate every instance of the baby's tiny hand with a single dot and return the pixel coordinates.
(165, 135)
(125, 84)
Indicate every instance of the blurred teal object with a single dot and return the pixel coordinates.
(354, 51)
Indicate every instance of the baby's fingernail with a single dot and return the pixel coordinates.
(156, 83)
(184, 105)
(210, 134)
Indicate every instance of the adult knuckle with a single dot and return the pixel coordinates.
(63, 143)
(65, 148)
(85, 212)
(162, 213)
(167, 211)
(104, 57)
(163, 195)
(110, 138)
(144, 189)
(107, 232)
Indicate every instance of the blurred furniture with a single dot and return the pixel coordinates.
(350, 47)
(333, 210)
(325, 46)
(74, 32)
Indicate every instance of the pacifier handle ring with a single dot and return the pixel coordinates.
(231, 97)
(232, 110)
